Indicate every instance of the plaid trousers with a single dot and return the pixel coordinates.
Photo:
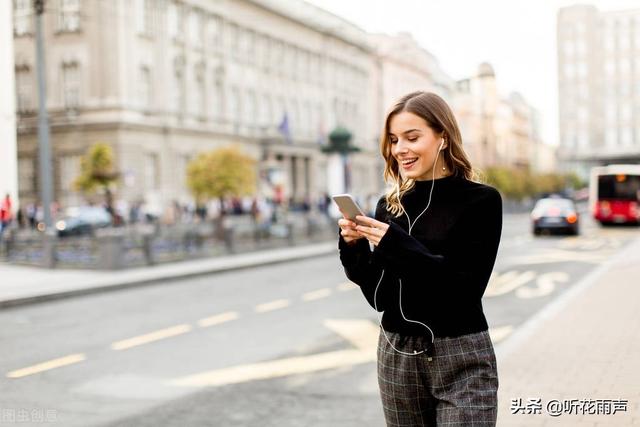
(458, 387)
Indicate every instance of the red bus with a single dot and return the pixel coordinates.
(614, 194)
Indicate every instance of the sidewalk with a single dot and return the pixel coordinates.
(583, 346)
(21, 285)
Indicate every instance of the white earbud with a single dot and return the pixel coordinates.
(441, 145)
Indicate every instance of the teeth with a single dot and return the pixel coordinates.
(406, 162)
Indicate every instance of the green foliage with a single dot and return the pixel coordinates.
(224, 172)
(96, 169)
(517, 184)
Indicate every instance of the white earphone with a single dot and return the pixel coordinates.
(429, 350)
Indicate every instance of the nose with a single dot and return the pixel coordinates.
(400, 147)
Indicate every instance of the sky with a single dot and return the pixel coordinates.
(517, 37)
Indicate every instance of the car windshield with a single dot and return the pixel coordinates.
(563, 204)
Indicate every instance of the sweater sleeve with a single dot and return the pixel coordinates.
(364, 267)
(470, 257)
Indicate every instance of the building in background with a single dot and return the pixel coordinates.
(8, 150)
(161, 81)
(401, 66)
(599, 87)
(497, 130)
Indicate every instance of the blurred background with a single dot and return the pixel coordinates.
(197, 142)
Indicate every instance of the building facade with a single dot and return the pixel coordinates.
(163, 80)
(497, 130)
(599, 87)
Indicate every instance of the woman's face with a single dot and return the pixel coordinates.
(414, 145)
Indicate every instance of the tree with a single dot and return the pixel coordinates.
(225, 172)
(97, 173)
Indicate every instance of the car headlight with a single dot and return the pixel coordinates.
(61, 225)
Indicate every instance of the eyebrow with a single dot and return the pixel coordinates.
(407, 131)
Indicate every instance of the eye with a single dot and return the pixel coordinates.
(393, 141)
(413, 139)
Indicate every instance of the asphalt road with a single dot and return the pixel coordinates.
(287, 345)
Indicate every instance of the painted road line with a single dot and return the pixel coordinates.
(503, 283)
(273, 305)
(347, 286)
(218, 319)
(362, 334)
(500, 333)
(314, 295)
(151, 337)
(48, 365)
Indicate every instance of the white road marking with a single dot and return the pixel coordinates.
(218, 319)
(314, 295)
(48, 365)
(151, 337)
(500, 284)
(500, 333)
(545, 284)
(273, 305)
(362, 334)
(347, 286)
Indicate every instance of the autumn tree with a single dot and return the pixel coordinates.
(97, 173)
(224, 172)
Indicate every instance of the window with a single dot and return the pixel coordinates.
(234, 105)
(218, 99)
(195, 28)
(22, 17)
(172, 20)
(252, 108)
(213, 32)
(145, 87)
(26, 174)
(151, 171)
(69, 171)
(199, 95)
(145, 17)
(24, 90)
(71, 85)
(177, 90)
(69, 15)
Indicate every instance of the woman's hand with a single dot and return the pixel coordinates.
(372, 229)
(348, 230)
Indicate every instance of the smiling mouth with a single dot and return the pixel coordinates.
(409, 162)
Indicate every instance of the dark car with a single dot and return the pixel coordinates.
(83, 221)
(555, 214)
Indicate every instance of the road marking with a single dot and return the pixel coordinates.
(273, 305)
(500, 333)
(314, 295)
(347, 286)
(362, 334)
(218, 319)
(151, 337)
(545, 284)
(48, 365)
(559, 256)
(503, 283)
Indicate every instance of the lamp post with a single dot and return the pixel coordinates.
(338, 149)
(44, 147)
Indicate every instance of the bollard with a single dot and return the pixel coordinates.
(147, 241)
(49, 250)
(111, 252)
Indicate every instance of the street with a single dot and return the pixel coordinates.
(289, 344)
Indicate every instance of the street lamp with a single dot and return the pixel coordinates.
(46, 175)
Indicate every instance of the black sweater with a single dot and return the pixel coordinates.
(445, 263)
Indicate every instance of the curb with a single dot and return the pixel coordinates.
(160, 274)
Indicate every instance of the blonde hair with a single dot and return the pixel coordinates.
(439, 117)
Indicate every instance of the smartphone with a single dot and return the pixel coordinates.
(348, 206)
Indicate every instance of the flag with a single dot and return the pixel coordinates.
(283, 128)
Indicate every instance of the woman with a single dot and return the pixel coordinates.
(425, 261)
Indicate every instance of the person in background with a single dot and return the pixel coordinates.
(6, 214)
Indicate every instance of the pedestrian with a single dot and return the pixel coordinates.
(425, 261)
(6, 214)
